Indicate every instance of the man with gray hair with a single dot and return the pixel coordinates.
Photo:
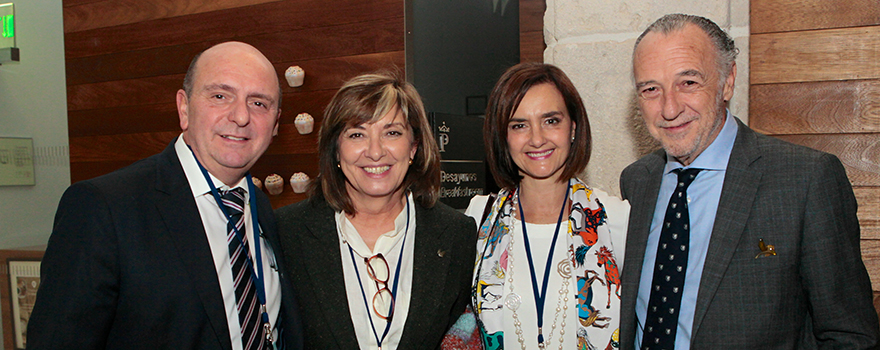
(736, 240)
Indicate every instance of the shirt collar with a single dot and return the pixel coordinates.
(715, 156)
(385, 242)
(194, 176)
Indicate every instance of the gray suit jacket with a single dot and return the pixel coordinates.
(442, 273)
(815, 293)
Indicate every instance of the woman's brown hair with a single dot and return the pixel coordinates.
(503, 102)
(365, 99)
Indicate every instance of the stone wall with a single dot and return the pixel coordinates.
(592, 41)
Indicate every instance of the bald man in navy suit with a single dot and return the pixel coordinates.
(139, 259)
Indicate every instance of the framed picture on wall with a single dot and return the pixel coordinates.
(18, 291)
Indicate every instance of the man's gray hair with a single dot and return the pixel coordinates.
(724, 46)
(190, 75)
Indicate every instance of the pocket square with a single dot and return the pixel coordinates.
(766, 249)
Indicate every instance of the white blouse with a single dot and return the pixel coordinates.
(540, 237)
(389, 245)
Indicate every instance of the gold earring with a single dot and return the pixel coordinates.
(338, 166)
(410, 161)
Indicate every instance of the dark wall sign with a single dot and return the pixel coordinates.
(463, 167)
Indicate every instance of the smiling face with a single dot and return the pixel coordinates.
(680, 91)
(232, 111)
(539, 134)
(374, 157)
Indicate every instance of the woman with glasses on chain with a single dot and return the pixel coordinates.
(376, 261)
(550, 248)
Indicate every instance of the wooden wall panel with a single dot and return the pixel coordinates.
(869, 211)
(531, 47)
(859, 153)
(72, 3)
(815, 81)
(120, 93)
(871, 257)
(792, 15)
(818, 55)
(381, 35)
(877, 302)
(531, 27)
(850, 106)
(228, 24)
(109, 13)
(531, 15)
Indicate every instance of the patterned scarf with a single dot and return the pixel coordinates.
(590, 246)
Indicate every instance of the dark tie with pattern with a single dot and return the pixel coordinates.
(670, 267)
(249, 312)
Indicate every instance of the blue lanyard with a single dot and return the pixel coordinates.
(393, 288)
(542, 296)
(256, 276)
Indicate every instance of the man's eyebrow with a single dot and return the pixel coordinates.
(642, 84)
(262, 96)
(224, 87)
(691, 73)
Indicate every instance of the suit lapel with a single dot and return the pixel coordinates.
(741, 183)
(430, 269)
(325, 273)
(647, 190)
(179, 213)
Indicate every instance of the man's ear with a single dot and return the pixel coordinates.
(277, 122)
(182, 113)
(729, 83)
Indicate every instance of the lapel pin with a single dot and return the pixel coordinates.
(441, 253)
(766, 249)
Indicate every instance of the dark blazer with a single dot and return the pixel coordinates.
(128, 266)
(815, 293)
(445, 247)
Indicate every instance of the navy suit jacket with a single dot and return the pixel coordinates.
(128, 266)
(814, 293)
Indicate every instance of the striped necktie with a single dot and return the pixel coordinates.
(249, 312)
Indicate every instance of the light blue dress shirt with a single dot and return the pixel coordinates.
(703, 197)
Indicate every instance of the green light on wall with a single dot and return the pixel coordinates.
(8, 51)
(8, 25)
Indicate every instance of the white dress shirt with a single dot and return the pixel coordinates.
(215, 222)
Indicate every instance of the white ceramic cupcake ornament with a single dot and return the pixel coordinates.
(295, 76)
(257, 182)
(274, 184)
(299, 182)
(304, 123)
